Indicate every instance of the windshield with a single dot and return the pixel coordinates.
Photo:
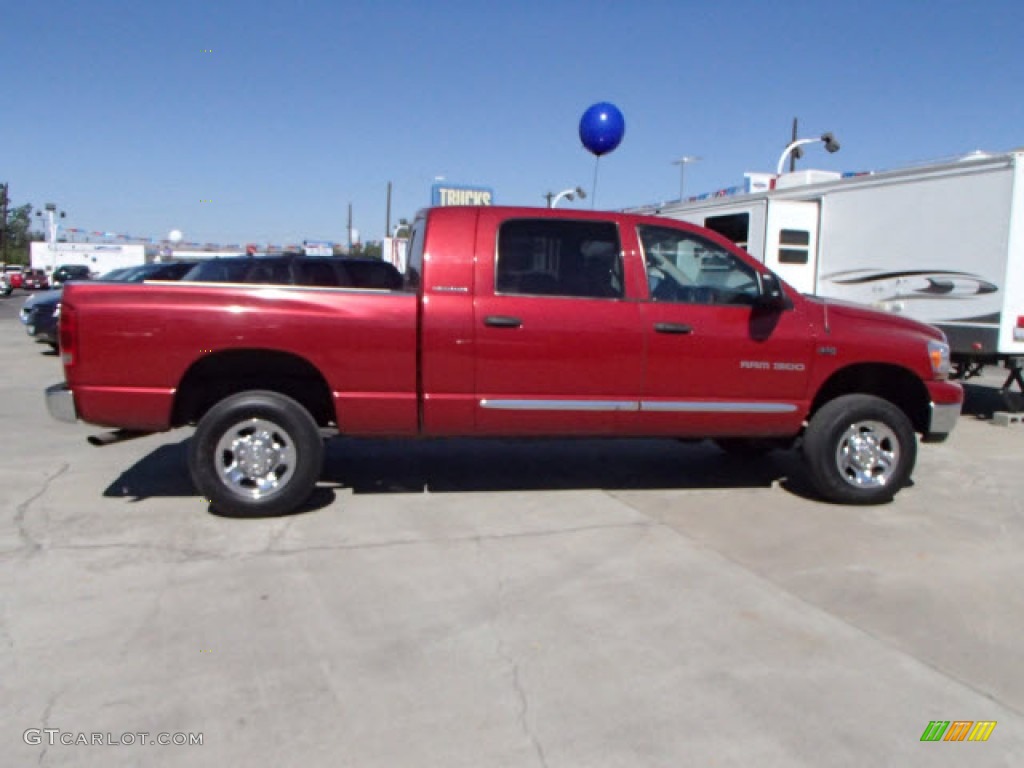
(247, 270)
(115, 275)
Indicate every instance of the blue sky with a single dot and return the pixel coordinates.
(116, 112)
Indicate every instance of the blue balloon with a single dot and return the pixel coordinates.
(602, 128)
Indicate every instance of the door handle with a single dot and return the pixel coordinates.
(502, 321)
(680, 328)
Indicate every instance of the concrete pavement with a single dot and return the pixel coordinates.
(463, 603)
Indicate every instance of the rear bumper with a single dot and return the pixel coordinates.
(60, 402)
(947, 399)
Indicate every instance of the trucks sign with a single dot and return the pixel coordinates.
(448, 194)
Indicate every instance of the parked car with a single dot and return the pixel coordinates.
(28, 309)
(40, 318)
(35, 280)
(298, 269)
(15, 274)
(67, 272)
(161, 270)
(5, 285)
(41, 312)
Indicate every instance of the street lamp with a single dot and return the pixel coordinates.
(831, 146)
(681, 162)
(50, 218)
(51, 221)
(568, 194)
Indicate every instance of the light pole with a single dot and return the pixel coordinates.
(51, 221)
(831, 146)
(682, 162)
(568, 194)
(51, 230)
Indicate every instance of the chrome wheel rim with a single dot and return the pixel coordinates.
(255, 458)
(868, 454)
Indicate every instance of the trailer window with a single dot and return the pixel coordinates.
(794, 246)
(552, 257)
(735, 226)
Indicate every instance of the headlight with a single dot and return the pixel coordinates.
(56, 311)
(938, 354)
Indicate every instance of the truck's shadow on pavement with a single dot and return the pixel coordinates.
(982, 401)
(458, 465)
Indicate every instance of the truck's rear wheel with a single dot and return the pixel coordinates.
(860, 449)
(256, 453)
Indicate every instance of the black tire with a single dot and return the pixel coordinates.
(256, 454)
(882, 465)
(745, 447)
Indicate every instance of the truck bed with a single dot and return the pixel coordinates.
(137, 343)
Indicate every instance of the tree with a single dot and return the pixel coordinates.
(16, 233)
(18, 222)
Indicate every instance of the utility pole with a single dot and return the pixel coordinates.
(350, 227)
(387, 218)
(3, 222)
(549, 197)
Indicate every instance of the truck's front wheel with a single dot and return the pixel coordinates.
(860, 449)
(256, 453)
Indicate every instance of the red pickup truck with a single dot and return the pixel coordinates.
(511, 322)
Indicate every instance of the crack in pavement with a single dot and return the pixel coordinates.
(20, 512)
(5, 634)
(646, 523)
(191, 555)
(510, 662)
(524, 713)
(187, 554)
(47, 712)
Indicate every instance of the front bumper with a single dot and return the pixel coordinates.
(947, 400)
(60, 402)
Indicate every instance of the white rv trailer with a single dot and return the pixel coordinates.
(941, 243)
(98, 257)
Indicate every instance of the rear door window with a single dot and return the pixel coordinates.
(553, 257)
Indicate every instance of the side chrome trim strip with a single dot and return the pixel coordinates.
(561, 405)
(722, 407)
(674, 406)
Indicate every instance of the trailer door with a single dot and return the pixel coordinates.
(791, 242)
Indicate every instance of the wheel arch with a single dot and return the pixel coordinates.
(221, 374)
(900, 386)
